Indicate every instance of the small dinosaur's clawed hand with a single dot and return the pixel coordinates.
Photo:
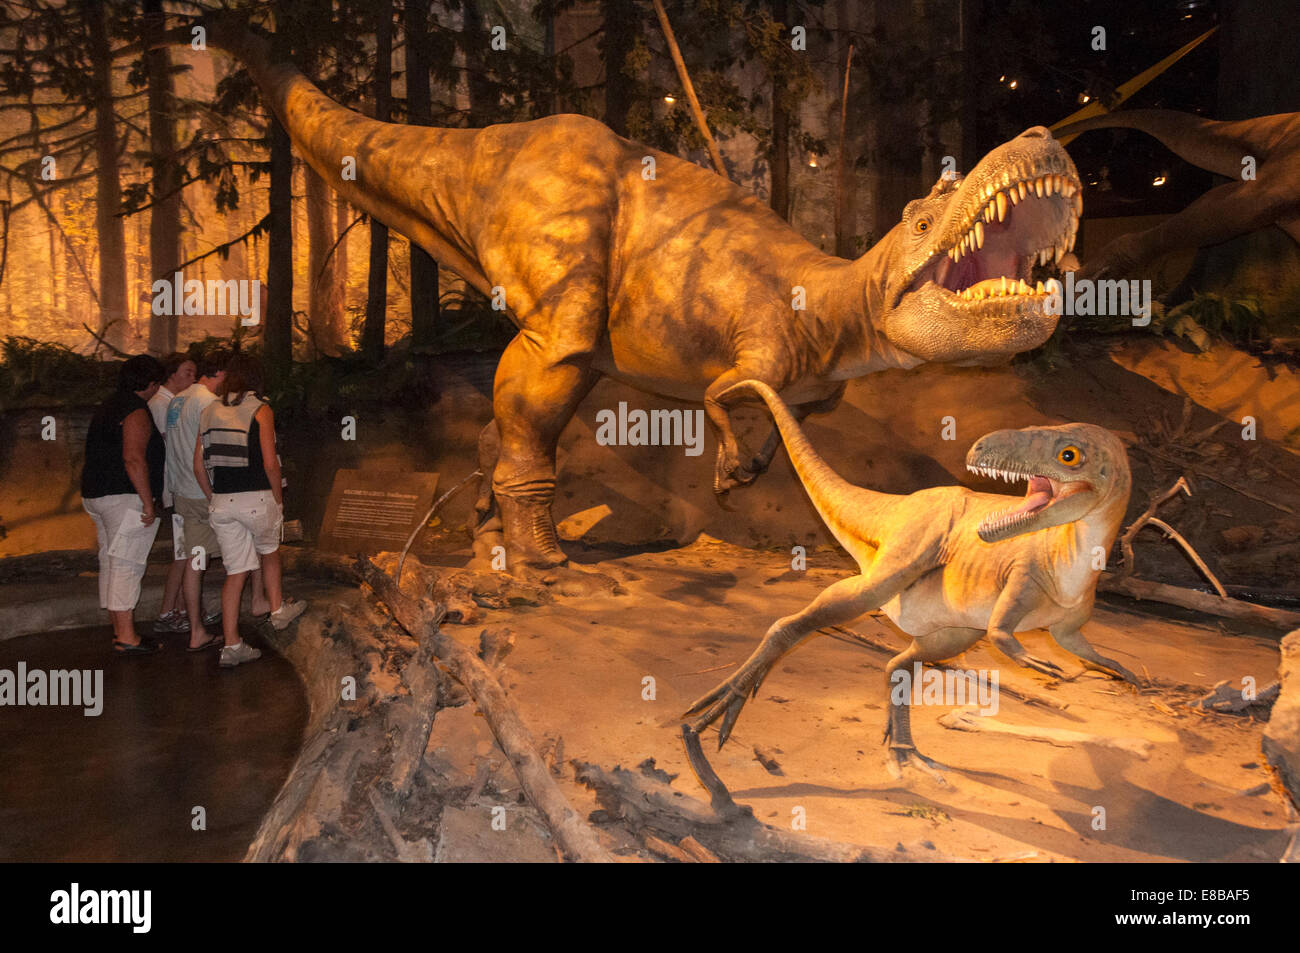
(1051, 669)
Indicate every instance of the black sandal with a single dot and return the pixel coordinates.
(146, 647)
(213, 640)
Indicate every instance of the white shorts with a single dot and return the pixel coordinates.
(124, 544)
(247, 525)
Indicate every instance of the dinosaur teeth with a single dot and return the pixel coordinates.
(1022, 189)
(1001, 199)
(979, 234)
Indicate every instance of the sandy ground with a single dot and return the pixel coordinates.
(689, 616)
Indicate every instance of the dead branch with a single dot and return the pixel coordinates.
(646, 801)
(967, 719)
(1199, 601)
(701, 123)
(574, 836)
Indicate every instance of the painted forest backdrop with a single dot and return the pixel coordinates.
(118, 167)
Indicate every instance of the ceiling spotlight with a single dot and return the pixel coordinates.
(1159, 181)
(1084, 98)
(812, 162)
(670, 100)
(1014, 83)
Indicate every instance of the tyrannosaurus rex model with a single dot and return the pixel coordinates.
(617, 259)
(949, 565)
(1268, 145)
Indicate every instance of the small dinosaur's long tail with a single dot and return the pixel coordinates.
(845, 508)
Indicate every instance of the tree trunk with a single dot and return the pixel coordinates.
(780, 155)
(277, 334)
(342, 219)
(108, 194)
(482, 93)
(372, 336)
(620, 33)
(324, 310)
(165, 215)
(425, 318)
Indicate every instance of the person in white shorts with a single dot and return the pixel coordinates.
(180, 371)
(199, 545)
(236, 465)
(120, 483)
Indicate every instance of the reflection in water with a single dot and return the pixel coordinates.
(176, 733)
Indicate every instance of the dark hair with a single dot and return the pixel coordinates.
(172, 363)
(139, 372)
(243, 373)
(212, 361)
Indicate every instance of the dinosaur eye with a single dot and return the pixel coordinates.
(1071, 456)
(922, 224)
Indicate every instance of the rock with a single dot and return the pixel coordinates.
(1281, 741)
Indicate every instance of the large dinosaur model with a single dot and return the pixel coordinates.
(616, 259)
(949, 565)
(1267, 147)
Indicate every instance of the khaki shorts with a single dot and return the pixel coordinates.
(197, 530)
(248, 526)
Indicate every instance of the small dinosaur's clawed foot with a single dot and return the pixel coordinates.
(723, 702)
(1112, 668)
(905, 758)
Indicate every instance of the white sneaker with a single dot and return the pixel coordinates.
(289, 610)
(237, 654)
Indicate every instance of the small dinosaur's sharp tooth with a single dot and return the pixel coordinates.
(1002, 286)
(1022, 189)
(1039, 289)
(1014, 195)
(979, 234)
(1038, 186)
(1001, 200)
(1077, 201)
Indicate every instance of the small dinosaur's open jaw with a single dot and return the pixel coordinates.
(1042, 494)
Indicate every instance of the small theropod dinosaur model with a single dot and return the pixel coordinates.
(949, 565)
(616, 259)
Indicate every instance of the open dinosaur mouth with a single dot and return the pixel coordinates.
(1043, 492)
(1007, 248)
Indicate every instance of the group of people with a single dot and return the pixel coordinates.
(195, 437)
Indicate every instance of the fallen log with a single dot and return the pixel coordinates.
(1199, 601)
(575, 838)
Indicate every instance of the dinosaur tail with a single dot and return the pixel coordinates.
(1203, 142)
(385, 169)
(845, 508)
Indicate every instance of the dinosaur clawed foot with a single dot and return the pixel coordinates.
(904, 759)
(723, 702)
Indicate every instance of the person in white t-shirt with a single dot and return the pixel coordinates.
(180, 371)
(200, 542)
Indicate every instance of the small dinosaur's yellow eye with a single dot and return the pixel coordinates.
(1070, 456)
(922, 224)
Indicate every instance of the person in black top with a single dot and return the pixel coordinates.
(120, 483)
